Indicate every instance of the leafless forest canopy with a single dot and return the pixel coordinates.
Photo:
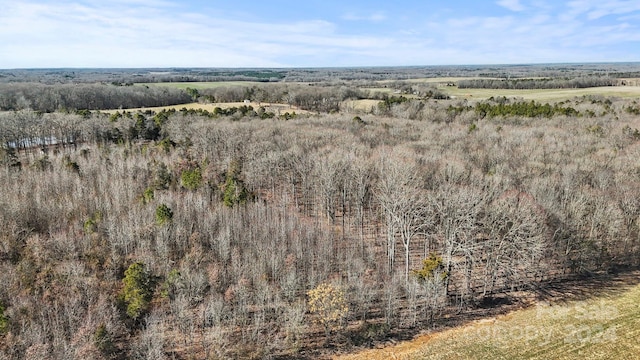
(130, 76)
(243, 233)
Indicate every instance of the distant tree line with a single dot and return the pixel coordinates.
(313, 98)
(546, 83)
(48, 98)
(71, 97)
(314, 75)
(627, 74)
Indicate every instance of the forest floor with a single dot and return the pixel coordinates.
(594, 318)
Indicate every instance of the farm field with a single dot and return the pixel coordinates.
(368, 105)
(453, 91)
(359, 105)
(606, 326)
(543, 94)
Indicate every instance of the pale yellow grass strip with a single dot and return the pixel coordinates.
(605, 327)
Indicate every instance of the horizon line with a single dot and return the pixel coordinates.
(326, 67)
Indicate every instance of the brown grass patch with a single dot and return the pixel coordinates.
(589, 319)
(276, 108)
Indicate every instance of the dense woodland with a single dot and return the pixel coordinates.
(188, 234)
(543, 83)
(319, 90)
(65, 97)
(322, 98)
(315, 75)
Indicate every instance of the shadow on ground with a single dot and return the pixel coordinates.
(560, 291)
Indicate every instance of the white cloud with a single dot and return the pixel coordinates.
(634, 17)
(155, 33)
(613, 8)
(595, 9)
(513, 5)
(77, 35)
(374, 17)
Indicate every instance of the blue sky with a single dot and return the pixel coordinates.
(314, 33)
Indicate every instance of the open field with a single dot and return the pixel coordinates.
(359, 105)
(453, 91)
(276, 108)
(366, 105)
(543, 94)
(606, 326)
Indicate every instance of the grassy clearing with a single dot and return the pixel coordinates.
(359, 105)
(535, 94)
(603, 327)
(480, 94)
(276, 108)
(543, 94)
